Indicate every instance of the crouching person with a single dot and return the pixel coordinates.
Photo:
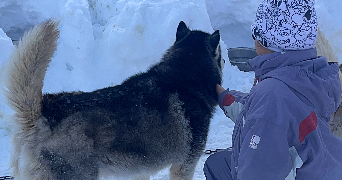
(282, 125)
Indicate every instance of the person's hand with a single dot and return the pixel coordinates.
(219, 89)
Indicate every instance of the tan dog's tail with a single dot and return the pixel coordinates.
(323, 47)
(27, 67)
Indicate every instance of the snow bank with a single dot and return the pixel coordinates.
(330, 22)
(6, 47)
(233, 18)
(139, 34)
(15, 19)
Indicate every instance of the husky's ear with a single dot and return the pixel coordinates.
(182, 31)
(214, 39)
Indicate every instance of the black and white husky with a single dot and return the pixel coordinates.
(152, 120)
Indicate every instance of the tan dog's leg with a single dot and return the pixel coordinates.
(182, 172)
(142, 177)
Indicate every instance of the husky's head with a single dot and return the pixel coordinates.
(200, 46)
(193, 62)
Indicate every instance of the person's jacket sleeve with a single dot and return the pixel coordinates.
(231, 102)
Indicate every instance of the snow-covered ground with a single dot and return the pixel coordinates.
(103, 42)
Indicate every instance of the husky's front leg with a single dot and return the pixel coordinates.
(183, 171)
(142, 177)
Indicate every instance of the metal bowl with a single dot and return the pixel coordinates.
(240, 56)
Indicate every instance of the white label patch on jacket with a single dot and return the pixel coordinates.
(254, 142)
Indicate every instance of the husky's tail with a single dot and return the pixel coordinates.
(27, 68)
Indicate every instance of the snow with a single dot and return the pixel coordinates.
(103, 42)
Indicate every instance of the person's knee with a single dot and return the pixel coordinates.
(217, 166)
(212, 159)
(207, 168)
(224, 155)
(221, 158)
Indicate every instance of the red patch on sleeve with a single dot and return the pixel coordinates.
(228, 100)
(308, 125)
